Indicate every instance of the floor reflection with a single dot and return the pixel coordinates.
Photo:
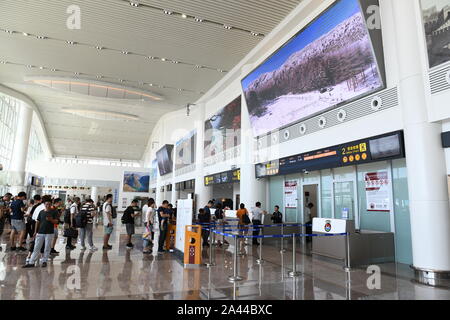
(128, 274)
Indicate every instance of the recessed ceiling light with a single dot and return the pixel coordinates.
(42, 68)
(134, 3)
(3, 62)
(168, 12)
(53, 69)
(175, 62)
(184, 16)
(227, 27)
(99, 77)
(125, 52)
(30, 66)
(99, 47)
(163, 59)
(70, 42)
(25, 34)
(9, 31)
(198, 19)
(198, 66)
(41, 37)
(254, 34)
(76, 73)
(150, 84)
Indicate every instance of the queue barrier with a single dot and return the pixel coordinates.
(294, 273)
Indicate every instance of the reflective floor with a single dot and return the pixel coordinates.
(128, 274)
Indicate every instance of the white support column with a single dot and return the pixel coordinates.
(252, 190)
(20, 150)
(427, 176)
(94, 194)
(203, 193)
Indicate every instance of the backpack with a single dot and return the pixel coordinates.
(113, 212)
(246, 219)
(126, 216)
(81, 218)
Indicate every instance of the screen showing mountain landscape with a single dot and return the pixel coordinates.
(223, 130)
(436, 20)
(328, 63)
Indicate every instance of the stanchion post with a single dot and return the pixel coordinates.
(235, 277)
(347, 266)
(294, 273)
(211, 263)
(282, 250)
(260, 260)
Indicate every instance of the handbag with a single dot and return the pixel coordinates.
(71, 233)
(246, 219)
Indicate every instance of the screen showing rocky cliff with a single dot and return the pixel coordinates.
(328, 63)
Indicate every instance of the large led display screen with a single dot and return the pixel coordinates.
(164, 157)
(136, 182)
(185, 151)
(328, 63)
(436, 21)
(223, 130)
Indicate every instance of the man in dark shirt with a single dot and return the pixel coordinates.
(5, 202)
(277, 216)
(163, 217)
(204, 219)
(18, 208)
(44, 233)
(128, 219)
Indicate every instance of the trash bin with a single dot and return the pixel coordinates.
(193, 246)
(171, 236)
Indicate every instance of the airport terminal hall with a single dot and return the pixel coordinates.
(225, 156)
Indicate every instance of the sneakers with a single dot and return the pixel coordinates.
(93, 248)
(27, 261)
(108, 247)
(130, 245)
(70, 247)
(27, 266)
(53, 251)
(44, 265)
(83, 248)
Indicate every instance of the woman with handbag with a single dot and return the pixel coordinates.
(70, 232)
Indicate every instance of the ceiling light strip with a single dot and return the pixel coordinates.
(102, 48)
(4, 62)
(195, 18)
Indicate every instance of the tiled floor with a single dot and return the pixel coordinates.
(128, 274)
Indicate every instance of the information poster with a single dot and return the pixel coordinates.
(290, 193)
(378, 191)
(184, 218)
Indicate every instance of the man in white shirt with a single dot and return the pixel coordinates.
(257, 217)
(71, 223)
(108, 221)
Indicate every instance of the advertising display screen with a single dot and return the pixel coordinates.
(154, 171)
(328, 63)
(389, 146)
(436, 17)
(185, 151)
(135, 182)
(164, 157)
(223, 130)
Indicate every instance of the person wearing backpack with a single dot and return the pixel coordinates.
(128, 220)
(244, 221)
(85, 221)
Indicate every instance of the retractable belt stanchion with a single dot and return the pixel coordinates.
(260, 260)
(294, 273)
(347, 253)
(211, 263)
(235, 277)
(282, 250)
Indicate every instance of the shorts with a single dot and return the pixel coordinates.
(17, 225)
(130, 228)
(108, 230)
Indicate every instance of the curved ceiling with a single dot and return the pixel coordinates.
(177, 49)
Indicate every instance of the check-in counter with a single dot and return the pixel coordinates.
(366, 246)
